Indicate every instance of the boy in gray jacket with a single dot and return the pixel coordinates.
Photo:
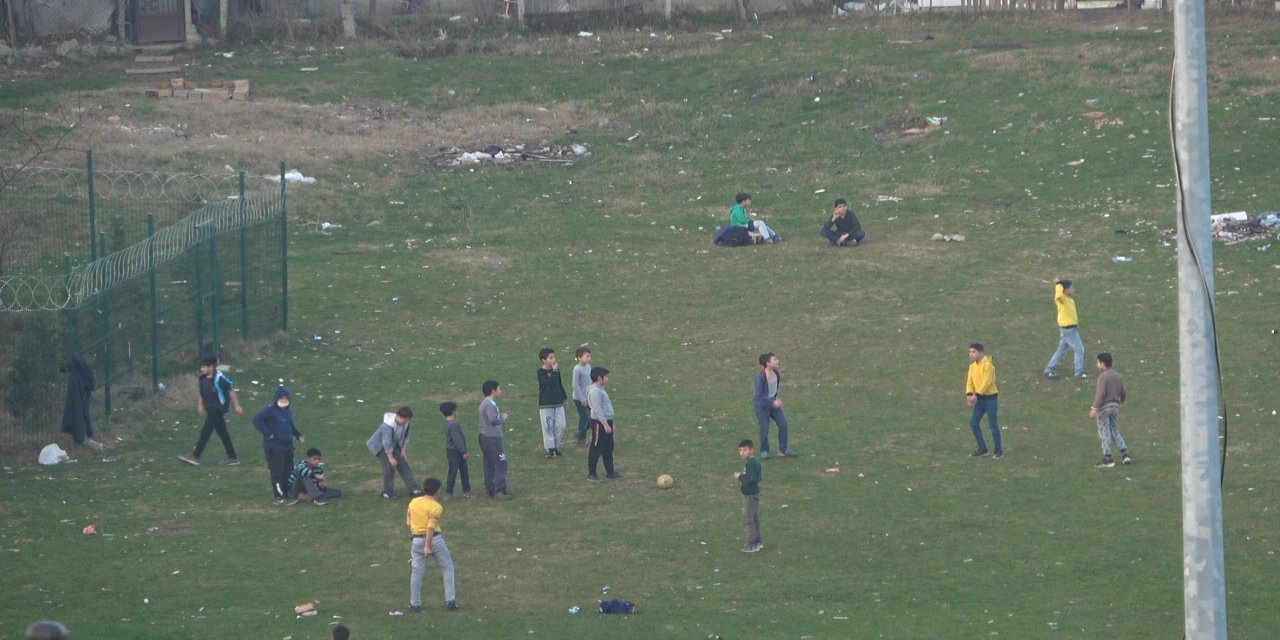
(388, 445)
(455, 449)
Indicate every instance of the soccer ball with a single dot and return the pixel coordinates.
(666, 482)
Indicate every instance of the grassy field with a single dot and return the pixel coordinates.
(436, 281)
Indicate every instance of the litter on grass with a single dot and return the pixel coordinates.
(453, 157)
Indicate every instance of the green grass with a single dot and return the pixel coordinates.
(912, 539)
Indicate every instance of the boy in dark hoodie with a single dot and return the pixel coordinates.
(275, 423)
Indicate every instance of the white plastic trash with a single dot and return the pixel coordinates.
(53, 454)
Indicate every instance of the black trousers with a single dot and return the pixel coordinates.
(601, 447)
(214, 421)
(457, 466)
(280, 465)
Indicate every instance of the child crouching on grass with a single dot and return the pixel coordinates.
(308, 478)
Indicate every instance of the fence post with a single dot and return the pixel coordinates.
(244, 265)
(151, 275)
(284, 254)
(214, 285)
(71, 310)
(105, 297)
(93, 213)
(199, 289)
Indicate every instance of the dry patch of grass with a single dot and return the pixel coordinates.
(209, 136)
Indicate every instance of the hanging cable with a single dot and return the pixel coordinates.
(1184, 237)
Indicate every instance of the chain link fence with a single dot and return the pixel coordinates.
(184, 265)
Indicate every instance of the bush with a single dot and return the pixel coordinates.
(31, 386)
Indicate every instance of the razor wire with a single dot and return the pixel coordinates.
(54, 293)
(126, 186)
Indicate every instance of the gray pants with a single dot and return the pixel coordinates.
(495, 464)
(1109, 430)
(751, 518)
(389, 473)
(418, 560)
(309, 486)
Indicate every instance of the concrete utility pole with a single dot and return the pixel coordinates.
(1204, 578)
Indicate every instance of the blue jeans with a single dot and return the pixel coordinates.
(1068, 339)
(989, 405)
(833, 236)
(763, 415)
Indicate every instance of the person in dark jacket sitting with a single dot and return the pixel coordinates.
(842, 228)
(275, 423)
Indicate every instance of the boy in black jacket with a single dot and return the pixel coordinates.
(551, 397)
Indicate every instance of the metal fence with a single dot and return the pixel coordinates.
(138, 274)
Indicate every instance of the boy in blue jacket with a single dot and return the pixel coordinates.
(275, 423)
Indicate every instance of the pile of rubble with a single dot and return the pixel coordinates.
(453, 157)
(1231, 228)
(213, 90)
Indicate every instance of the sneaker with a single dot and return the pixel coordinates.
(191, 460)
(415, 493)
(550, 454)
(613, 476)
(1125, 459)
(1050, 375)
(764, 455)
(999, 455)
(1106, 463)
(1082, 376)
(593, 477)
(979, 453)
(468, 495)
(278, 501)
(230, 462)
(447, 496)
(788, 453)
(319, 502)
(289, 502)
(759, 546)
(417, 609)
(388, 496)
(451, 605)
(752, 548)
(502, 495)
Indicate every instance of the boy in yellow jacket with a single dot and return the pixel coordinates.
(980, 394)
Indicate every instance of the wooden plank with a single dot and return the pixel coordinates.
(151, 71)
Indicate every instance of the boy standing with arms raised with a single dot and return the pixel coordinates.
(749, 482)
(551, 397)
(1064, 298)
(423, 518)
(217, 394)
(491, 443)
(1106, 410)
(582, 381)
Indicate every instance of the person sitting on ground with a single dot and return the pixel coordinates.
(738, 232)
(308, 477)
(842, 228)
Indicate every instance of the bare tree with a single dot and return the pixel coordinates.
(36, 142)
